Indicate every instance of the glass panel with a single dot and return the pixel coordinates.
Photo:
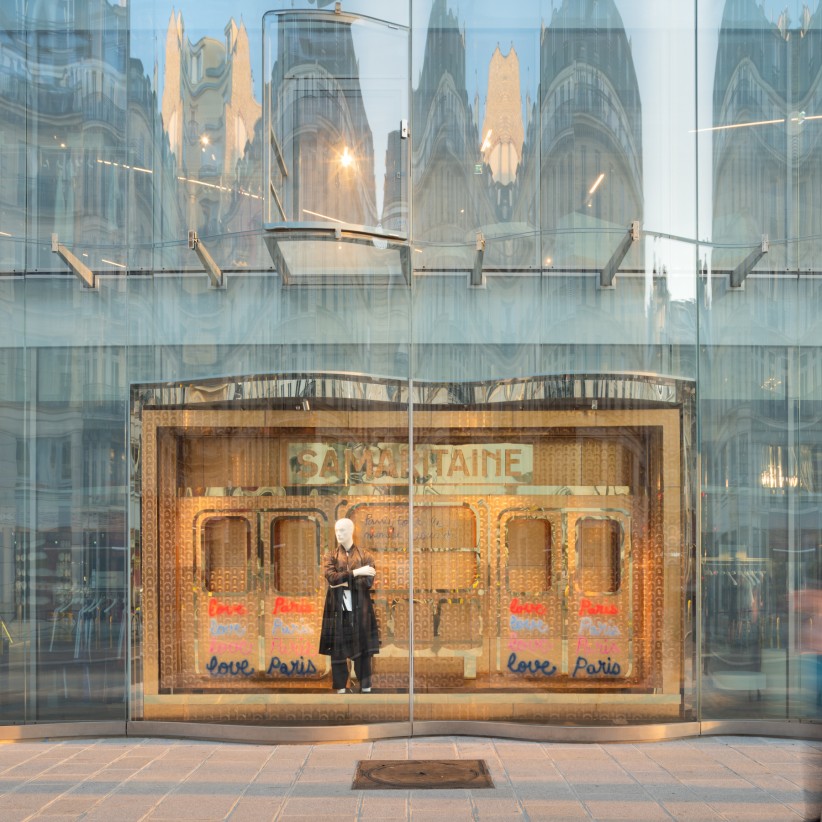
(15, 82)
(337, 98)
(76, 134)
(71, 477)
(302, 261)
(758, 140)
(591, 136)
(746, 573)
(208, 173)
(15, 627)
(574, 520)
(758, 519)
(251, 475)
(476, 156)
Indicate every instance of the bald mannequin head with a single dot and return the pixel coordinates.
(344, 531)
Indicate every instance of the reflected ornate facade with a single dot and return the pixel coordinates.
(767, 84)
(323, 144)
(209, 116)
(589, 132)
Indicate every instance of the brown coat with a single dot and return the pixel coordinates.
(338, 567)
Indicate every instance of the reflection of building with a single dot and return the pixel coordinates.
(449, 202)
(590, 128)
(63, 102)
(569, 164)
(325, 146)
(502, 129)
(209, 115)
(768, 74)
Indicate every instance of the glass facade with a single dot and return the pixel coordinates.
(532, 298)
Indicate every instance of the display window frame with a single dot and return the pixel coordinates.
(643, 678)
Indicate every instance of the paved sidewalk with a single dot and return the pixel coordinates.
(114, 780)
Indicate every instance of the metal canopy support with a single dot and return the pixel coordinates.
(362, 240)
(80, 269)
(739, 274)
(214, 272)
(476, 272)
(279, 261)
(607, 274)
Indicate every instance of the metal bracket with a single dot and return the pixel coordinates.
(476, 272)
(80, 269)
(607, 274)
(214, 271)
(739, 274)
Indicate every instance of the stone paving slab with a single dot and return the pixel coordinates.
(716, 779)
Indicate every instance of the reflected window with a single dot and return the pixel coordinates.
(226, 554)
(295, 555)
(529, 555)
(599, 545)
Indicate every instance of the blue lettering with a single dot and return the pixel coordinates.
(240, 668)
(289, 628)
(518, 624)
(233, 628)
(291, 667)
(599, 666)
(531, 666)
(592, 627)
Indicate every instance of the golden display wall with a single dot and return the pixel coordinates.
(544, 583)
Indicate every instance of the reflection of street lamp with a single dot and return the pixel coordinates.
(594, 187)
(597, 182)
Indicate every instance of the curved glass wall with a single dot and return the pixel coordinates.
(529, 297)
(760, 155)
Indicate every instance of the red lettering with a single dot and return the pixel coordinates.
(517, 607)
(217, 608)
(285, 606)
(588, 608)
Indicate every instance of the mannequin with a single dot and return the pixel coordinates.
(349, 627)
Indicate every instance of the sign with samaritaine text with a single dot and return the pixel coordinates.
(385, 463)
